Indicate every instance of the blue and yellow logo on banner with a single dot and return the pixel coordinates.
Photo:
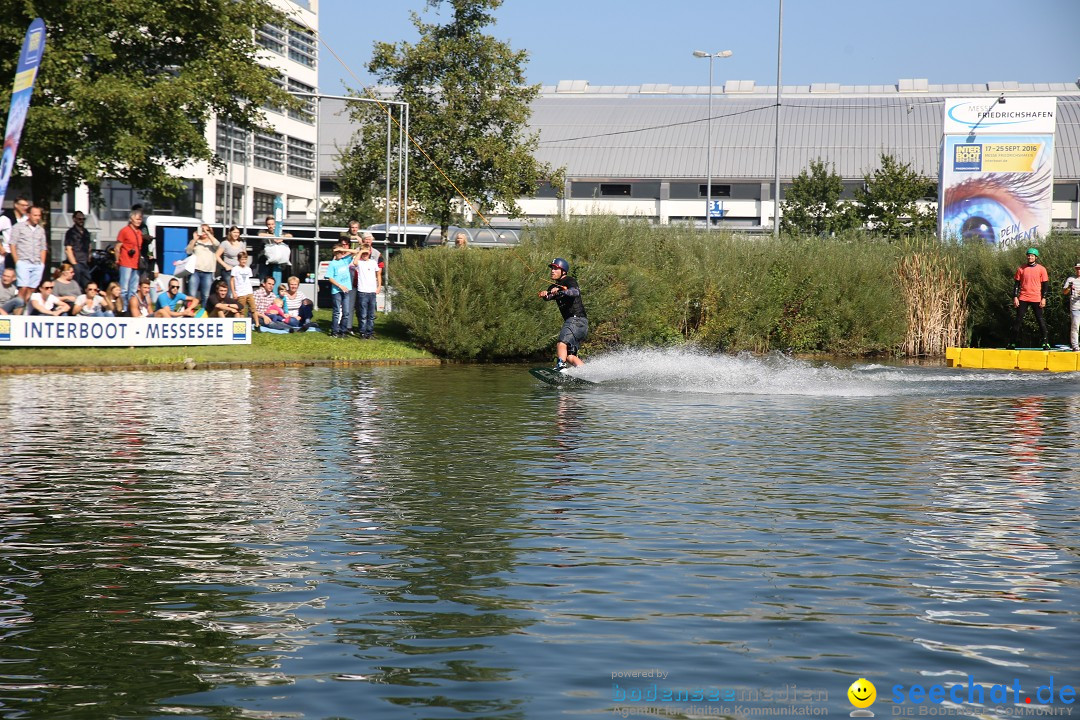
(5, 330)
(239, 329)
(967, 158)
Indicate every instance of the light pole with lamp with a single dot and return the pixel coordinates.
(708, 136)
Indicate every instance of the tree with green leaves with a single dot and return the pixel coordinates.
(812, 204)
(468, 109)
(888, 203)
(126, 89)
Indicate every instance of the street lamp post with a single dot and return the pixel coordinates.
(708, 136)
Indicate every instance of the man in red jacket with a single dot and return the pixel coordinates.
(1029, 290)
(127, 249)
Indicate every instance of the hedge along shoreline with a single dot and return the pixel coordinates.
(646, 285)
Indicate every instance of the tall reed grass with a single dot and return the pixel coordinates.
(651, 285)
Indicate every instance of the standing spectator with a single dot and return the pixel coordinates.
(43, 302)
(77, 248)
(146, 248)
(91, 303)
(114, 300)
(353, 236)
(128, 249)
(368, 285)
(10, 302)
(204, 247)
(230, 247)
(220, 305)
(66, 287)
(1029, 290)
(367, 240)
(29, 249)
(275, 250)
(461, 240)
(8, 220)
(240, 284)
(337, 274)
(1072, 290)
(139, 304)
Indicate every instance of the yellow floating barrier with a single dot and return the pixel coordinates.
(994, 359)
(1031, 359)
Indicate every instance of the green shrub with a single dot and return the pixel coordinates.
(652, 285)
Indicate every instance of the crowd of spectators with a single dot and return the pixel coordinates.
(220, 278)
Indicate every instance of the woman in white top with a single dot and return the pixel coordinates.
(230, 248)
(91, 303)
(43, 302)
(204, 247)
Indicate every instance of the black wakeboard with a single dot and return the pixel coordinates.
(558, 379)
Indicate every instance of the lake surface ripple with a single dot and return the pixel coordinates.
(464, 542)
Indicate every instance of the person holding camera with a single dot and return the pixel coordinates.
(204, 247)
(127, 251)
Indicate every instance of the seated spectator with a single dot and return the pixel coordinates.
(219, 304)
(139, 304)
(10, 302)
(277, 314)
(66, 288)
(296, 303)
(92, 303)
(114, 300)
(43, 302)
(173, 303)
(265, 315)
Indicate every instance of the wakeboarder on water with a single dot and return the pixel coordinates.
(565, 292)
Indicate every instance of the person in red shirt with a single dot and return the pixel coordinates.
(127, 248)
(1029, 290)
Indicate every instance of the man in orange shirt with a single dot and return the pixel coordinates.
(127, 248)
(1029, 290)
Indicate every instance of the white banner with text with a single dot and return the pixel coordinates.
(64, 331)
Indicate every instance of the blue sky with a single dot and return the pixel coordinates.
(631, 42)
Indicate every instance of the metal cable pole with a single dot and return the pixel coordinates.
(776, 150)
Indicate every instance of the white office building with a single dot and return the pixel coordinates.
(258, 166)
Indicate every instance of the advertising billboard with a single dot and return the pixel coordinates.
(997, 170)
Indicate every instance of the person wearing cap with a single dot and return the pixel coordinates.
(368, 283)
(565, 292)
(337, 274)
(1072, 290)
(1029, 290)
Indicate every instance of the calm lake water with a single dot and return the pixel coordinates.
(465, 542)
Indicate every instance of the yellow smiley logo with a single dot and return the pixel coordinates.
(862, 693)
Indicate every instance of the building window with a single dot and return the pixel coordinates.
(231, 143)
(118, 198)
(279, 80)
(270, 151)
(301, 159)
(614, 190)
(718, 191)
(272, 38)
(303, 48)
(307, 112)
(262, 206)
(232, 213)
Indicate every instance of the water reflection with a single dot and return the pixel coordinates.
(463, 542)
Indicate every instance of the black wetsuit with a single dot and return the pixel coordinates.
(575, 323)
(569, 300)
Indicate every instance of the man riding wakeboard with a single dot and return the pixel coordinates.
(565, 292)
